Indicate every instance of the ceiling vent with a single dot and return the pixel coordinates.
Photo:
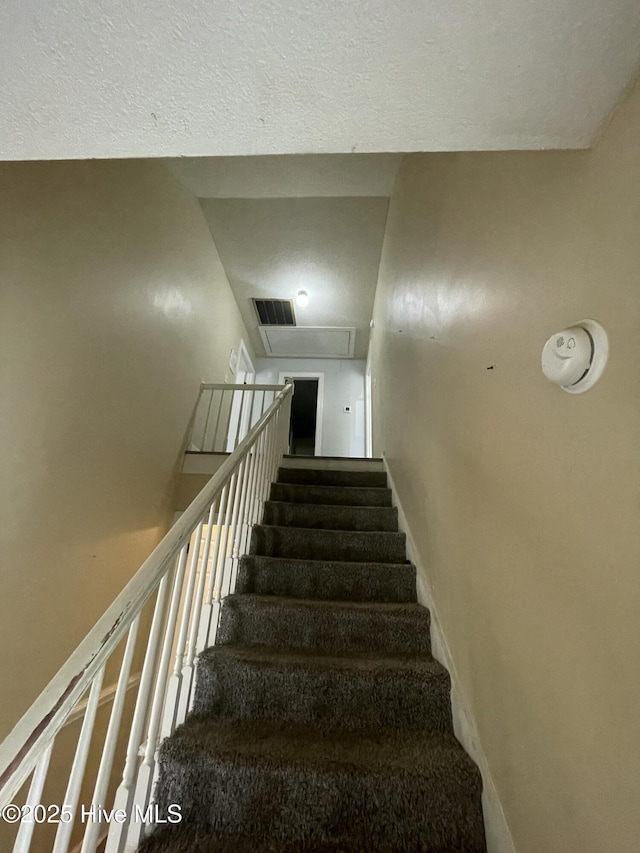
(275, 312)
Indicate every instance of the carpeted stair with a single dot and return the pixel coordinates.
(321, 722)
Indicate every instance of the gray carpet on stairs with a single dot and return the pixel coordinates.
(321, 722)
(338, 544)
(327, 495)
(326, 579)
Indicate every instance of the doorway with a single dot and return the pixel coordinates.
(368, 409)
(305, 427)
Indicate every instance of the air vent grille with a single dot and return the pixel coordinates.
(275, 312)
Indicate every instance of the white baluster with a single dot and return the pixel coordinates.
(207, 616)
(262, 461)
(147, 768)
(266, 481)
(237, 522)
(229, 418)
(215, 432)
(125, 794)
(248, 507)
(221, 564)
(25, 833)
(244, 395)
(63, 835)
(170, 718)
(206, 423)
(186, 694)
(98, 800)
(226, 542)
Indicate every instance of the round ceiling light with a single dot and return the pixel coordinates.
(302, 298)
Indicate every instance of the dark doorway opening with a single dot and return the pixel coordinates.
(304, 410)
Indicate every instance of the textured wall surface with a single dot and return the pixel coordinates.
(114, 307)
(203, 77)
(522, 499)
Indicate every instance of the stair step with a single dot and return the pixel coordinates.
(328, 477)
(293, 783)
(342, 545)
(335, 495)
(405, 692)
(334, 463)
(178, 839)
(327, 517)
(331, 581)
(324, 626)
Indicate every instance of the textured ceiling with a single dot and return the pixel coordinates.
(329, 247)
(94, 78)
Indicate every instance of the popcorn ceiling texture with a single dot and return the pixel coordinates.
(82, 80)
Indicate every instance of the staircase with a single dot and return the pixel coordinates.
(321, 723)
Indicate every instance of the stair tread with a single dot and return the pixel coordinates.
(332, 750)
(324, 625)
(352, 459)
(327, 579)
(336, 531)
(376, 510)
(329, 489)
(385, 691)
(310, 516)
(201, 840)
(332, 477)
(275, 540)
(383, 607)
(313, 564)
(333, 495)
(366, 662)
(333, 489)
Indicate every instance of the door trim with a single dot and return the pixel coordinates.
(368, 409)
(299, 374)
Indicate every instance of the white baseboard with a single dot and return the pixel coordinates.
(497, 831)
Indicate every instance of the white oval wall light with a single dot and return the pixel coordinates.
(575, 358)
(302, 298)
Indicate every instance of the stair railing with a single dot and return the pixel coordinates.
(189, 573)
(225, 414)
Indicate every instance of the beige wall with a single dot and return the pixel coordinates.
(114, 306)
(523, 500)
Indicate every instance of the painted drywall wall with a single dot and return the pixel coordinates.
(342, 432)
(281, 76)
(114, 307)
(523, 499)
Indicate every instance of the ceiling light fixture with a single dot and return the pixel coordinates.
(302, 298)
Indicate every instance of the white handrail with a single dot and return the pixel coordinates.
(223, 386)
(225, 414)
(236, 492)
